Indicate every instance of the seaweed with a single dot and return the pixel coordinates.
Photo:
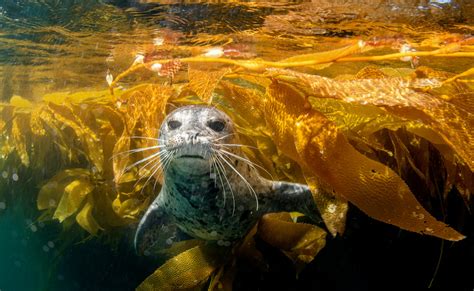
(352, 139)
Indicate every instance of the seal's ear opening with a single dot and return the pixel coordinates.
(156, 232)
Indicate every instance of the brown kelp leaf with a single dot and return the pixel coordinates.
(362, 120)
(370, 72)
(20, 132)
(371, 186)
(85, 218)
(89, 139)
(245, 102)
(186, 270)
(396, 95)
(283, 105)
(73, 195)
(316, 143)
(132, 207)
(37, 126)
(301, 242)
(203, 83)
(120, 157)
(51, 193)
(20, 102)
(332, 209)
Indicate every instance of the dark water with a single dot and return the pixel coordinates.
(48, 46)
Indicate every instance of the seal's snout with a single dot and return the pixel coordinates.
(193, 138)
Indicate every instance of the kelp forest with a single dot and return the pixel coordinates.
(382, 126)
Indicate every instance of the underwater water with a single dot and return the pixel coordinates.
(79, 79)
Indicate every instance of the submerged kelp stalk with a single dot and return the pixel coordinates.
(339, 55)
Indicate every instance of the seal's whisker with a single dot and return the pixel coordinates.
(144, 160)
(159, 165)
(154, 169)
(165, 162)
(242, 177)
(249, 162)
(222, 137)
(145, 137)
(218, 174)
(129, 152)
(218, 160)
(141, 176)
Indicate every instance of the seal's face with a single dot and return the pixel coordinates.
(190, 133)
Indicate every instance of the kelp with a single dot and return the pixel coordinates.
(352, 139)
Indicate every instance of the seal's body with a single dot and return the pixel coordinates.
(211, 191)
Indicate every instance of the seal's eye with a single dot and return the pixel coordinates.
(216, 125)
(173, 124)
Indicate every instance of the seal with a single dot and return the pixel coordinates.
(211, 190)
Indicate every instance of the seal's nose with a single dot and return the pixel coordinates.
(193, 138)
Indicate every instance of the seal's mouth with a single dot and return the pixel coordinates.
(191, 157)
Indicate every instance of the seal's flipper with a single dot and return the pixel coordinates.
(156, 231)
(291, 197)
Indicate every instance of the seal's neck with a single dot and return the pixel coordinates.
(190, 176)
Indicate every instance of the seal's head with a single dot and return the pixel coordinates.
(190, 133)
(211, 190)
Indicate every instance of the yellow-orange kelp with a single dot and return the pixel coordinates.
(397, 96)
(314, 141)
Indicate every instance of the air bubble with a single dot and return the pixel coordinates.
(45, 249)
(51, 244)
(33, 228)
(5, 174)
(15, 177)
(3, 205)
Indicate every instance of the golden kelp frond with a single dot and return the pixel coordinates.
(89, 139)
(186, 270)
(333, 210)
(396, 96)
(66, 192)
(321, 148)
(299, 241)
(85, 218)
(203, 83)
(20, 132)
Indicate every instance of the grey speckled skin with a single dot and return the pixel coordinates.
(195, 200)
